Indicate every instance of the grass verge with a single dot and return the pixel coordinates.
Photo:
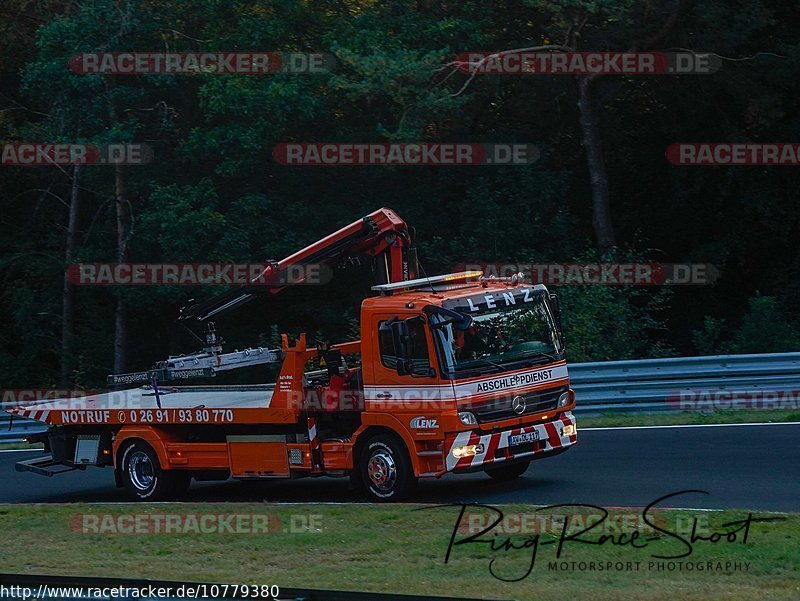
(20, 446)
(381, 548)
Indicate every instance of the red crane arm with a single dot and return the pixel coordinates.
(382, 232)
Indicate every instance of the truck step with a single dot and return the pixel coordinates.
(43, 465)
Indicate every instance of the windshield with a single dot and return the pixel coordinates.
(498, 337)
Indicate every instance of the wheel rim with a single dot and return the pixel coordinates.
(382, 470)
(140, 469)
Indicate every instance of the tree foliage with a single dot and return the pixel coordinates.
(214, 191)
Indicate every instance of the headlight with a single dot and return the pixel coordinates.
(467, 418)
(467, 451)
(563, 399)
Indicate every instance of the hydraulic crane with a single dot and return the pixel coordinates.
(381, 235)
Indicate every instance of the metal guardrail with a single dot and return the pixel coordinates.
(19, 428)
(629, 386)
(650, 384)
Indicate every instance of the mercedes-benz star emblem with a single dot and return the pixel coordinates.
(518, 405)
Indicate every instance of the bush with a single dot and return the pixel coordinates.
(606, 323)
(765, 328)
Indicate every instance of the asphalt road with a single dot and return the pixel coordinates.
(742, 467)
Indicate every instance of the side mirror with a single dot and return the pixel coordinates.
(402, 347)
(556, 309)
(401, 341)
(554, 306)
(460, 321)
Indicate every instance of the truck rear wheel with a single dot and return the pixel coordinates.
(386, 469)
(508, 472)
(143, 476)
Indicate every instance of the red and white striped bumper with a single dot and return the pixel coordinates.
(496, 447)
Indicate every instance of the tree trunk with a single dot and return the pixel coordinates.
(601, 206)
(123, 231)
(68, 290)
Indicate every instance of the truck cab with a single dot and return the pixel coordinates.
(471, 374)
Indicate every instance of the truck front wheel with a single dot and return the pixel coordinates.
(386, 469)
(143, 477)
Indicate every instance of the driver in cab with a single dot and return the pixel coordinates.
(469, 344)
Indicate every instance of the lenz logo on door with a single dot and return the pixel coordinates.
(424, 423)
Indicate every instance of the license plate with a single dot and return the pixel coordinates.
(523, 438)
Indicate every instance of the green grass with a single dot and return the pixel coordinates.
(385, 548)
(12, 446)
(608, 420)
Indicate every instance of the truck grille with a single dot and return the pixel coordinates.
(500, 408)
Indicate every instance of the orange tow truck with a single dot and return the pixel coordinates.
(452, 373)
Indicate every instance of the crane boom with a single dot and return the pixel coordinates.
(381, 233)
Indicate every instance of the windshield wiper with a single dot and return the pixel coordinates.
(534, 356)
(492, 363)
(552, 358)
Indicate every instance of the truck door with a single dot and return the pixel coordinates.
(384, 387)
